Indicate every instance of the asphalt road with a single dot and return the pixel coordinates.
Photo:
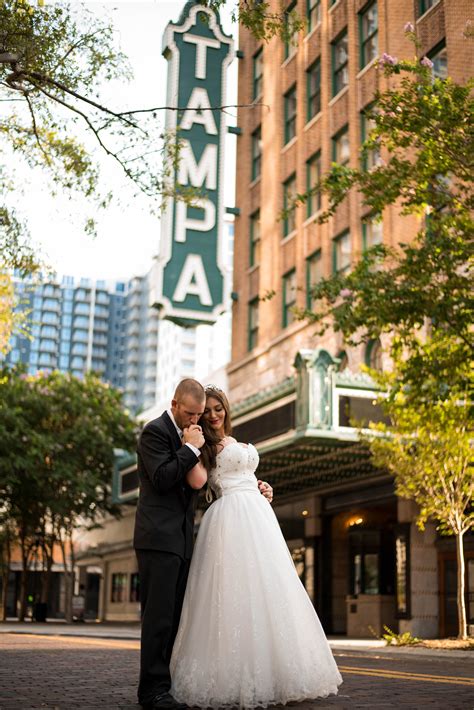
(59, 673)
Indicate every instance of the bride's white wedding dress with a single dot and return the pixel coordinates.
(249, 635)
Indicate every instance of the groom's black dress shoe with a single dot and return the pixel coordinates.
(165, 701)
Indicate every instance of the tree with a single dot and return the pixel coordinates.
(423, 133)
(57, 441)
(429, 450)
(54, 60)
(17, 255)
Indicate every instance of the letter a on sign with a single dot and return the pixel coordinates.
(190, 278)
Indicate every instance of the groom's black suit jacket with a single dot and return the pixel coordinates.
(165, 511)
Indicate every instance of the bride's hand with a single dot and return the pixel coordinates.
(266, 490)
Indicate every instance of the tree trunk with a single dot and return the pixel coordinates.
(68, 590)
(46, 575)
(6, 559)
(461, 582)
(23, 588)
(3, 602)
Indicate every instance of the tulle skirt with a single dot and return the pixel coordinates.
(249, 635)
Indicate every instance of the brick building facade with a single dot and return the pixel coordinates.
(356, 544)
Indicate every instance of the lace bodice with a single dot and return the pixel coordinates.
(235, 469)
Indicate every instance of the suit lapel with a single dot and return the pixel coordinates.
(172, 430)
(183, 489)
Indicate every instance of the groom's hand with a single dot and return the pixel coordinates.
(193, 435)
(266, 490)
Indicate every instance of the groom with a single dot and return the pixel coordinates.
(167, 449)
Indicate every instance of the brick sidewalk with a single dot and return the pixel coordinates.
(61, 673)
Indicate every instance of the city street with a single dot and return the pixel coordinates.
(59, 672)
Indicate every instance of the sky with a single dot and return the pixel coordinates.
(128, 236)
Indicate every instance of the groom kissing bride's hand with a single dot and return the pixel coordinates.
(193, 435)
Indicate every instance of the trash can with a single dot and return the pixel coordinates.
(40, 611)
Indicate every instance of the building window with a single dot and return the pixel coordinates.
(289, 297)
(291, 43)
(340, 72)
(313, 178)
(256, 153)
(439, 57)
(314, 274)
(119, 587)
(342, 252)
(372, 232)
(373, 355)
(257, 74)
(343, 361)
(313, 83)
(313, 13)
(290, 114)
(254, 255)
(253, 324)
(135, 587)
(340, 147)
(368, 34)
(370, 157)
(425, 5)
(289, 193)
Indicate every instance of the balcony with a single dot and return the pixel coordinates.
(133, 343)
(102, 298)
(80, 336)
(100, 326)
(133, 328)
(81, 309)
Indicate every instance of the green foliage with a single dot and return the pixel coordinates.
(54, 61)
(258, 17)
(423, 129)
(57, 441)
(405, 639)
(428, 447)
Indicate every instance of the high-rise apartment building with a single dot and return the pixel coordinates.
(75, 327)
(355, 544)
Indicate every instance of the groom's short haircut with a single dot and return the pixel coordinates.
(189, 388)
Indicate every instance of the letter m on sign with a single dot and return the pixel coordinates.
(190, 277)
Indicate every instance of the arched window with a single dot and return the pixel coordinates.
(373, 355)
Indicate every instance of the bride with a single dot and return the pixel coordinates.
(249, 635)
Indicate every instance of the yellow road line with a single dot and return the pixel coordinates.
(85, 640)
(402, 675)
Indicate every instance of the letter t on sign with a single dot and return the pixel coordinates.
(202, 43)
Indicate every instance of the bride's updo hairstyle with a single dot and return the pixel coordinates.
(212, 439)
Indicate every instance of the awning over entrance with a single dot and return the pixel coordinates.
(306, 428)
(307, 464)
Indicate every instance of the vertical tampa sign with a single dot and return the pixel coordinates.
(191, 276)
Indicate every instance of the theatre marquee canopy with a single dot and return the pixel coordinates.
(191, 275)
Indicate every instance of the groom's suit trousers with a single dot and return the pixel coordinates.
(163, 577)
